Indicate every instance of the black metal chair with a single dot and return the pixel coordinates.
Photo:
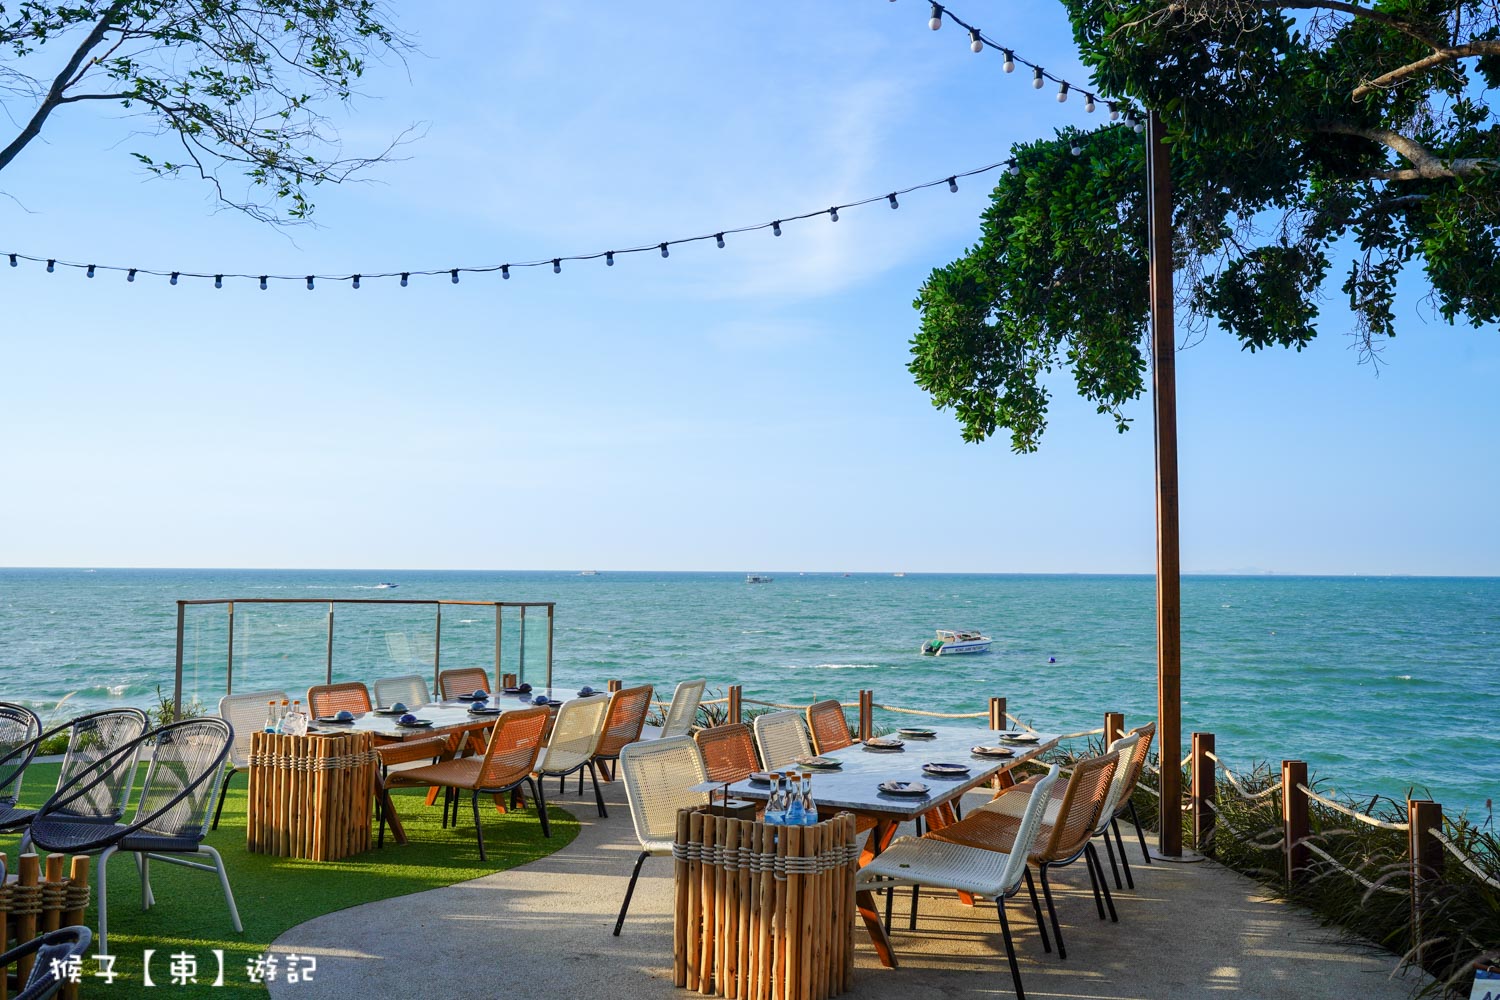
(177, 799)
(20, 736)
(52, 952)
(92, 738)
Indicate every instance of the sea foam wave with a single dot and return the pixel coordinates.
(830, 666)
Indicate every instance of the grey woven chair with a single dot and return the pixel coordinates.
(52, 950)
(92, 738)
(171, 819)
(20, 735)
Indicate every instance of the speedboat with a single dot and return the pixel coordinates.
(386, 586)
(757, 578)
(951, 642)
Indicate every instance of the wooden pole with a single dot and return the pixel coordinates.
(736, 713)
(1294, 825)
(1168, 561)
(866, 714)
(30, 874)
(1114, 727)
(1204, 790)
(997, 714)
(1423, 816)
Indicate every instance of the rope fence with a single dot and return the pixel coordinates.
(1352, 813)
(1339, 866)
(1462, 857)
(1235, 783)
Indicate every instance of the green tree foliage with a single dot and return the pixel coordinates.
(1308, 139)
(239, 84)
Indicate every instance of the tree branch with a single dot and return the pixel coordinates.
(1424, 164)
(55, 92)
(1480, 48)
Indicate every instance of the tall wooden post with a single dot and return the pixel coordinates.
(1426, 853)
(1168, 562)
(1114, 727)
(1294, 819)
(736, 710)
(997, 714)
(1204, 791)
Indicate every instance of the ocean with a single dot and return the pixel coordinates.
(1383, 685)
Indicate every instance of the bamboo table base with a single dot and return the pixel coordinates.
(310, 796)
(764, 912)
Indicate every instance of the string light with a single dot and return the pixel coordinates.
(355, 280)
(91, 270)
(1036, 79)
(1062, 94)
(1010, 61)
(936, 21)
(1088, 104)
(1076, 150)
(976, 41)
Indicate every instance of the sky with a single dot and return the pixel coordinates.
(742, 409)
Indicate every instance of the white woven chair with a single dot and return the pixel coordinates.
(684, 708)
(409, 689)
(658, 774)
(781, 738)
(575, 736)
(246, 714)
(921, 861)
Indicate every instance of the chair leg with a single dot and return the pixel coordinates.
(103, 902)
(1010, 949)
(219, 809)
(598, 795)
(1109, 900)
(1036, 909)
(1095, 877)
(1062, 949)
(234, 911)
(143, 866)
(1114, 869)
(1139, 833)
(1129, 879)
(541, 806)
(916, 893)
(890, 894)
(478, 830)
(580, 777)
(630, 891)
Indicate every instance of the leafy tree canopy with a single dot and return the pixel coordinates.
(1310, 141)
(238, 83)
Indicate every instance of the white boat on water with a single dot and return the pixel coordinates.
(952, 642)
(386, 586)
(758, 578)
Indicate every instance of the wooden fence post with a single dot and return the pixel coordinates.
(508, 681)
(1294, 826)
(1203, 790)
(614, 686)
(997, 714)
(736, 711)
(866, 714)
(1423, 816)
(1114, 727)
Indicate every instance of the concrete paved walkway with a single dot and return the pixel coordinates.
(543, 931)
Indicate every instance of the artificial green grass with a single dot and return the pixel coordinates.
(275, 894)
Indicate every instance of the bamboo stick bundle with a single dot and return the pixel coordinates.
(78, 894)
(710, 900)
(744, 931)
(325, 811)
(817, 920)
(679, 908)
(695, 901)
(729, 960)
(753, 909)
(721, 897)
(52, 908)
(30, 873)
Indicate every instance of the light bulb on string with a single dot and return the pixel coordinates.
(953, 184)
(1013, 169)
(13, 262)
(90, 271)
(218, 281)
(664, 250)
(309, 282)
(1088, 104)
(1010, 62)
(1076, 150)
(776, 228)
(833, 214)
(454, 273)
(719, 240)
(263, 282)
(557, 265)
(1062, 93)
(609, 258)
(505, 271)
(892, 199)
(936, 21)
(174, 278)
(129, 275)
(51, 266)
(1114, 112)
(1036, 78)
(405, 277)
(355, 282)
(1136, 126)
(976, 41)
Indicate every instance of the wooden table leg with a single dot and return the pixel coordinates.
(864, 902)
(879, 839)
(388, 807)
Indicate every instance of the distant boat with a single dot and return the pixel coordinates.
(386, 586)
(898, 574)
(588, 572)
(952, 642)
(757, 578)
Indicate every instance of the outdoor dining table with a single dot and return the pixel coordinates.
(855, 788)
(448, 718)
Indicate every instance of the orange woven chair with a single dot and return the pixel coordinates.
(331, 699)
(507, 764)
(728, 752)
(463, 680)
(622, 725)
(830, 730)
(1066, 834)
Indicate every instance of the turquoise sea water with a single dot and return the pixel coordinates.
(1381, 684)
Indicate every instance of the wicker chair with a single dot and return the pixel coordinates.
(782, 739)
(995, 875)
(91, 739)
(622, 724)
(658, 776)
(575, 736)
(20, 736)
(1126, 802)
(52, 952)
(1075, 812)
(728, 752)
(170, 820)
(324, 700)
(508, 762)
(830, 729)
(246, 714)
(409, 689)
(462, 680)
(683, 711)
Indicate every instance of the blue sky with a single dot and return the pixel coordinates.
(738, 409)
